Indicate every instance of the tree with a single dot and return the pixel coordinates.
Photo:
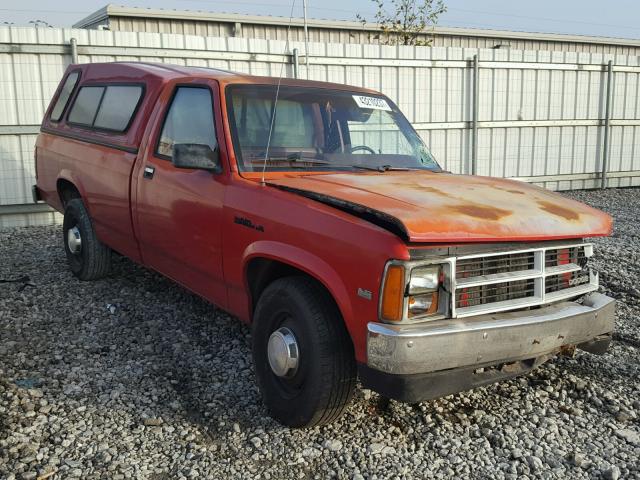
(406, 20)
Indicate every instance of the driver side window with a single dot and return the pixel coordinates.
(188, 120)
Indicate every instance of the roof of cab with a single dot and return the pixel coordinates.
(122, 71)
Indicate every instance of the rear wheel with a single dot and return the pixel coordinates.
(89, 259)
(302, 352)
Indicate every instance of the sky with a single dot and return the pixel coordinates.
(615, 18)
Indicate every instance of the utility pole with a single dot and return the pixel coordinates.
(306, 37)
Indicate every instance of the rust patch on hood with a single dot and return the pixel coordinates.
(509, 190)
(423, 188)
(558, 210)
(437, 191)
(483, 212)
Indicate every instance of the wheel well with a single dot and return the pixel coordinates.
(67, 191)
(261, 272)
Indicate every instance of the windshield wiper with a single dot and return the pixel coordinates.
(297, 157)
(303, 158)
(363, 167)
(382, 168)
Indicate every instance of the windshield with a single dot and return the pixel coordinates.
(321, 129)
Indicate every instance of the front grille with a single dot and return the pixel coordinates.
(474, 267)
(555, 283)
(562, 256)
(492, 282)
(497, 292)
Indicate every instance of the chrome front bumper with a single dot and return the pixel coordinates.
(487, 339)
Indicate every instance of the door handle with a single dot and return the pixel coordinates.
(149, 171)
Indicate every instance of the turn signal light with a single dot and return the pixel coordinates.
(393, 294)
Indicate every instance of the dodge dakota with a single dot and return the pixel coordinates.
(315, 213)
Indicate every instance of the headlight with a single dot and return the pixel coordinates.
(424, 279)
(425, 304)
(423, 291)
(409, 293)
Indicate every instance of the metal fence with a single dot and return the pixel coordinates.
(563, 120)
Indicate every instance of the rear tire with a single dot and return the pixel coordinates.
(89, 259)
(320, 387)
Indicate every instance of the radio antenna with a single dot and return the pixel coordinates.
(275, 102)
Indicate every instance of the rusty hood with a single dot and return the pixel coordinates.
(424, 206)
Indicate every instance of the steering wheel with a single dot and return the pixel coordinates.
(362, 147)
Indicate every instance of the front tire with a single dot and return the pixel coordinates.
(314, 383)
(89, 259)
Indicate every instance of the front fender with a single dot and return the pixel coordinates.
(311, 264)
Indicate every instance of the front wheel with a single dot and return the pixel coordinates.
(303, 355)
(88, 257)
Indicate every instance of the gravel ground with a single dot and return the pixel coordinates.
(133, 377)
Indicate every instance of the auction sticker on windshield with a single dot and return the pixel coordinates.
(371, 102)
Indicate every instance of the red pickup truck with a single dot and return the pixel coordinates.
(314, 212)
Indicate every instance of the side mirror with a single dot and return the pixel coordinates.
(197, 156)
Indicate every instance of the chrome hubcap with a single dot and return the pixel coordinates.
(283, 352)
(74, 241)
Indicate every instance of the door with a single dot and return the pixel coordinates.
(179, 211)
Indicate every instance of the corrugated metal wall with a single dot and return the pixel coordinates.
(540, 114)
(359, 35)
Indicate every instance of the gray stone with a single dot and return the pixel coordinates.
(612, 473)
(534, 462)
(256, 441)
(577, 459)
(311, 452)
(630, 436)
(333, 445)
(376, 448)
(623, 417)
